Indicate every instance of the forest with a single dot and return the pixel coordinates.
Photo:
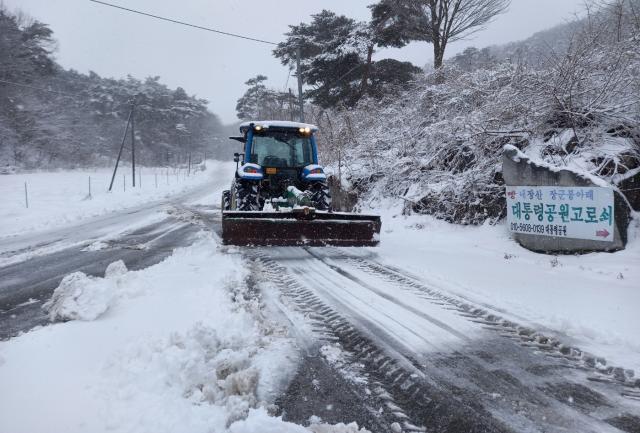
(51, 117)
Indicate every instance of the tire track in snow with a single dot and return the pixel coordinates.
(394, 299)
(526, 336)
(406, 391)
(425, 391)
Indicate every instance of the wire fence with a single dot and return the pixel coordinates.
(148, 178)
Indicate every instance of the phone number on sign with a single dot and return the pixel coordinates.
(542, 229)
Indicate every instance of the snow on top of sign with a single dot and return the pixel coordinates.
(597, 181)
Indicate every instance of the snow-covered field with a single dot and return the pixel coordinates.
(590, 301)
(60, 198)
(172, 348)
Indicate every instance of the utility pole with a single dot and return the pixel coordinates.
(299, 74)
(124, 137)
(133, 145)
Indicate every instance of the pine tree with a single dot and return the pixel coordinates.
(336, 59)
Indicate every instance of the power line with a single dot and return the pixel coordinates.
(183, 23)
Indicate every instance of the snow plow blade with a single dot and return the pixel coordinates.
(299, 228)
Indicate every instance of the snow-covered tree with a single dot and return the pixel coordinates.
(259, 102)
(436, 146)
(336, 59)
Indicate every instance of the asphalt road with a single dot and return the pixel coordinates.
(34, 264)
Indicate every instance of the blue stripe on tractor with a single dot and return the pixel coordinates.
(247, 146)
(314, 149)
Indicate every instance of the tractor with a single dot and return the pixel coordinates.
(280, 195)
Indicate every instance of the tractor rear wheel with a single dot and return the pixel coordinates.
(320, 196)
(246, 196)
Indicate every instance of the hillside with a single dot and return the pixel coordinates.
(436, 148)
(51, 117)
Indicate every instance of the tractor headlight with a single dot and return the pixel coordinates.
(305, 130)
(316, 171)
(258, 128)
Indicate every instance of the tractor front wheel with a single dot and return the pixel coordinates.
(246, 196)
(320, 196)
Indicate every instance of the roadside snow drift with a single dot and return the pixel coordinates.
(177, 347)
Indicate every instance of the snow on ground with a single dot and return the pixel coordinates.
(590, 301)
(172, 348)
(62, 197)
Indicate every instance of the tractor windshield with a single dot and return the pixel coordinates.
(281, 149)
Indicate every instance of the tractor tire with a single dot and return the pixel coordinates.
(226, 200)
(320, 196)
(246, 196)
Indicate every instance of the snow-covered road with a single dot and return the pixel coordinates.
(96, 228)
(32, 264)
(433, 360)
(25, 285)
(424, 333)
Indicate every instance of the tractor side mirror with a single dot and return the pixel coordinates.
(236, 157)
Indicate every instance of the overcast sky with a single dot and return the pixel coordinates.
(115, 43)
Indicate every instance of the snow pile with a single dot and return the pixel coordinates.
(203, 370)
(163, 349)
(81, 297)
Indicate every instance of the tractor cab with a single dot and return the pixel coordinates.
(283, 148)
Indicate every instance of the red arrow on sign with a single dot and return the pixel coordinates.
(602, 233)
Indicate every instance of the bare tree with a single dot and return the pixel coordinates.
(439, 22)
(451, 20)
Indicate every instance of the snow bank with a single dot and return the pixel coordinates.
(589, 301)
(62, 197)
(165, 349)
(79, 297)
(178, 347)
